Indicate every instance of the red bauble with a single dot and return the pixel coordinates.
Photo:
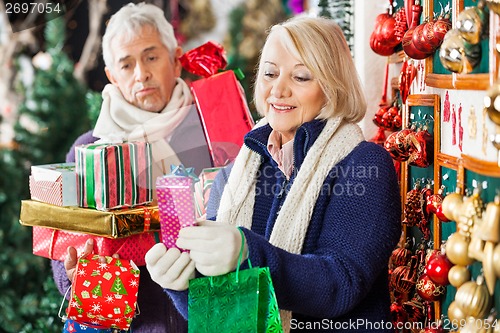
(437, 268)
(433, 202)
(440, 215)
(428, 290)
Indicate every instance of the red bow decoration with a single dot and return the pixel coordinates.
(205, 60)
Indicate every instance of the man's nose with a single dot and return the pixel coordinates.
(141, 72)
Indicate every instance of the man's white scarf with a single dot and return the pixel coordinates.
(120, 119)
(334, 143)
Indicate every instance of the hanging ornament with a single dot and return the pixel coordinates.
(455, 313)
(472, 23)
(457, 55)
(453, 125)
(415, 310)
(446, 107)
(472, 123)
(413, 207)
(458, 275)
(438, 267)
(406, 77)
(401, 256)
(460, 128)
(423, 149)
(473, 298)
(485, 133)
(428, 289)
(451, 204)
(398, 314)
(457, 249)
(434, 201)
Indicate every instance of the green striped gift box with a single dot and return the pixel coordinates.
(114, 175)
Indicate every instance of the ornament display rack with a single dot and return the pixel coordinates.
(465, 172)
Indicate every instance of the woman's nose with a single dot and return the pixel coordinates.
(281, 87)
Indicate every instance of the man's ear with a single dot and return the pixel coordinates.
(110, 76)
(177, 62)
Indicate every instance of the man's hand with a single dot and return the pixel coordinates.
(213, 246)
(72, 257)
(170, 269)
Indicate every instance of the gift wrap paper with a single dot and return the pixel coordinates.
(114, 175)
(175, 205)
(53, 244)
(113, 224)
(54, 184)
(221, 101)
(104, 294)
(202, 190)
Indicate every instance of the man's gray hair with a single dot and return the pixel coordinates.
(129, 19)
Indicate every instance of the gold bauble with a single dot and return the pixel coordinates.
(490, 228)
(492, 103)
(455, 314)
(496, 260)
(473, 299)
(494, 5)
(472, 23)
(458, 275)
(457, 55)
(488, 267)
(451, 205)
(457, 250)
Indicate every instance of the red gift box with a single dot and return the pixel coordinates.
(104, 295)
(223, 109)
(220, 100)
(53, 244)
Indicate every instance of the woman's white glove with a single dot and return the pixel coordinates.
(213, 246)
(170, 269)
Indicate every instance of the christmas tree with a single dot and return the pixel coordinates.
(118, 287)
(51, 115)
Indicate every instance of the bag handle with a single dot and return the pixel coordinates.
(240, 256)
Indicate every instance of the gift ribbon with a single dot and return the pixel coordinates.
(180, 170)
(147, 219)
(52, 241)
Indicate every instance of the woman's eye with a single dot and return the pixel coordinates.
(269, 74)
(302, 78)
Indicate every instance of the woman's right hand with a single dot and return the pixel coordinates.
(72, 257)
(171, 269)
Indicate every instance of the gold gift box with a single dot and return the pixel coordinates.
(112, 224)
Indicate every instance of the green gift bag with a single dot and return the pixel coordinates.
(240, 301)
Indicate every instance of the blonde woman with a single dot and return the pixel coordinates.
(317, 203)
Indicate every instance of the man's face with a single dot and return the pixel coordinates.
(143, 69)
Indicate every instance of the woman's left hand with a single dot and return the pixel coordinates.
(213, 246)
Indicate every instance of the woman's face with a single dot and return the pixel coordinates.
(287, 90)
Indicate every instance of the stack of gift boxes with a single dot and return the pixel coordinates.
(108, 192)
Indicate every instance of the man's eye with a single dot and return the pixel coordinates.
(152, 58)
(124, 67)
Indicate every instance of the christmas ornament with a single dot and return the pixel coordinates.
(490, 230)
(457, 249)
(496, 259)
(406, 77)
(415, 310)
(453, 125)
(440, 215)
(446, 107)
(488, 266)
(460, 128)
(382, 39)
(472, 23)
(473, 298)
(457, 55)
(458, 275)
(451, 204)
(438, 267)
(398, 314)
(428, 289)
(494, 5)
(413, 207)
(401, 256)
(455, 313)
(423, 153)
(434, 201)
(403, 278)
(472, 123)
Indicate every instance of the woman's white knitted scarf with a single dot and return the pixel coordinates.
(334, 143)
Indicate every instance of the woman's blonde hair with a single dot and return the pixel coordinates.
(321, 46)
